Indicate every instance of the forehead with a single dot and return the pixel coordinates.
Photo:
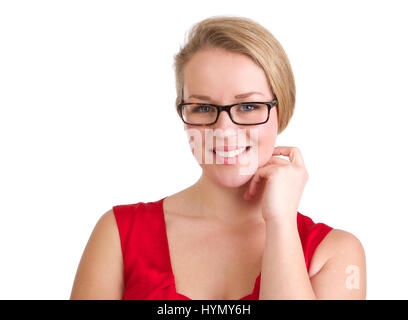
(214, 70)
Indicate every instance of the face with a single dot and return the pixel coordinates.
(221, 76)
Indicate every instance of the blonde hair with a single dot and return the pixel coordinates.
(243, 35)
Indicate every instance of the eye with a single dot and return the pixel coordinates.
(248, 107)
(203, 109)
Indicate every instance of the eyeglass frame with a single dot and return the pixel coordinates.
(227, 108)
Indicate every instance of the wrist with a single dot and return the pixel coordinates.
(286, 221)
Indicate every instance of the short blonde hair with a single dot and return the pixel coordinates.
(243, 35)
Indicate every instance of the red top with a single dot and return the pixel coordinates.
(148, 274)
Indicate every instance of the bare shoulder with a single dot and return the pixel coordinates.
(338, 241)
(339, 267)
(100, 271)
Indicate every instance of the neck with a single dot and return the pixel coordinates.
(222, 203)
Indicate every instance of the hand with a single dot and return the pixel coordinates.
(284, 184)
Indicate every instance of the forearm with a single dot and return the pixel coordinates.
(284, 274)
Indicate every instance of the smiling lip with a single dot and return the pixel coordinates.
(228, 148)
(231, 156)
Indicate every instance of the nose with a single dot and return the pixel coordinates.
(227, 131)
(224, 121)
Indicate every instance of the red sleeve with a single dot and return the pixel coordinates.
(311, 235)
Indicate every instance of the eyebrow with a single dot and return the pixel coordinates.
(238, 96)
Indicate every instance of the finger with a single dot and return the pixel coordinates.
(277, 160)
(292, 152)
(261, 174)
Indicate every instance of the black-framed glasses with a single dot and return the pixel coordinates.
(242, 113)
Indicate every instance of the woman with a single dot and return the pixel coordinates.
(214, 239)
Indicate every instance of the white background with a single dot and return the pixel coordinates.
(87, 121)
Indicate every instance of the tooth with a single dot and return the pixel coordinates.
(229, 154)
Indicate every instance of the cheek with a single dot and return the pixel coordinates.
(196, 140)
(267, 140)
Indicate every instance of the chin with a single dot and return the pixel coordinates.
(228, 176)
